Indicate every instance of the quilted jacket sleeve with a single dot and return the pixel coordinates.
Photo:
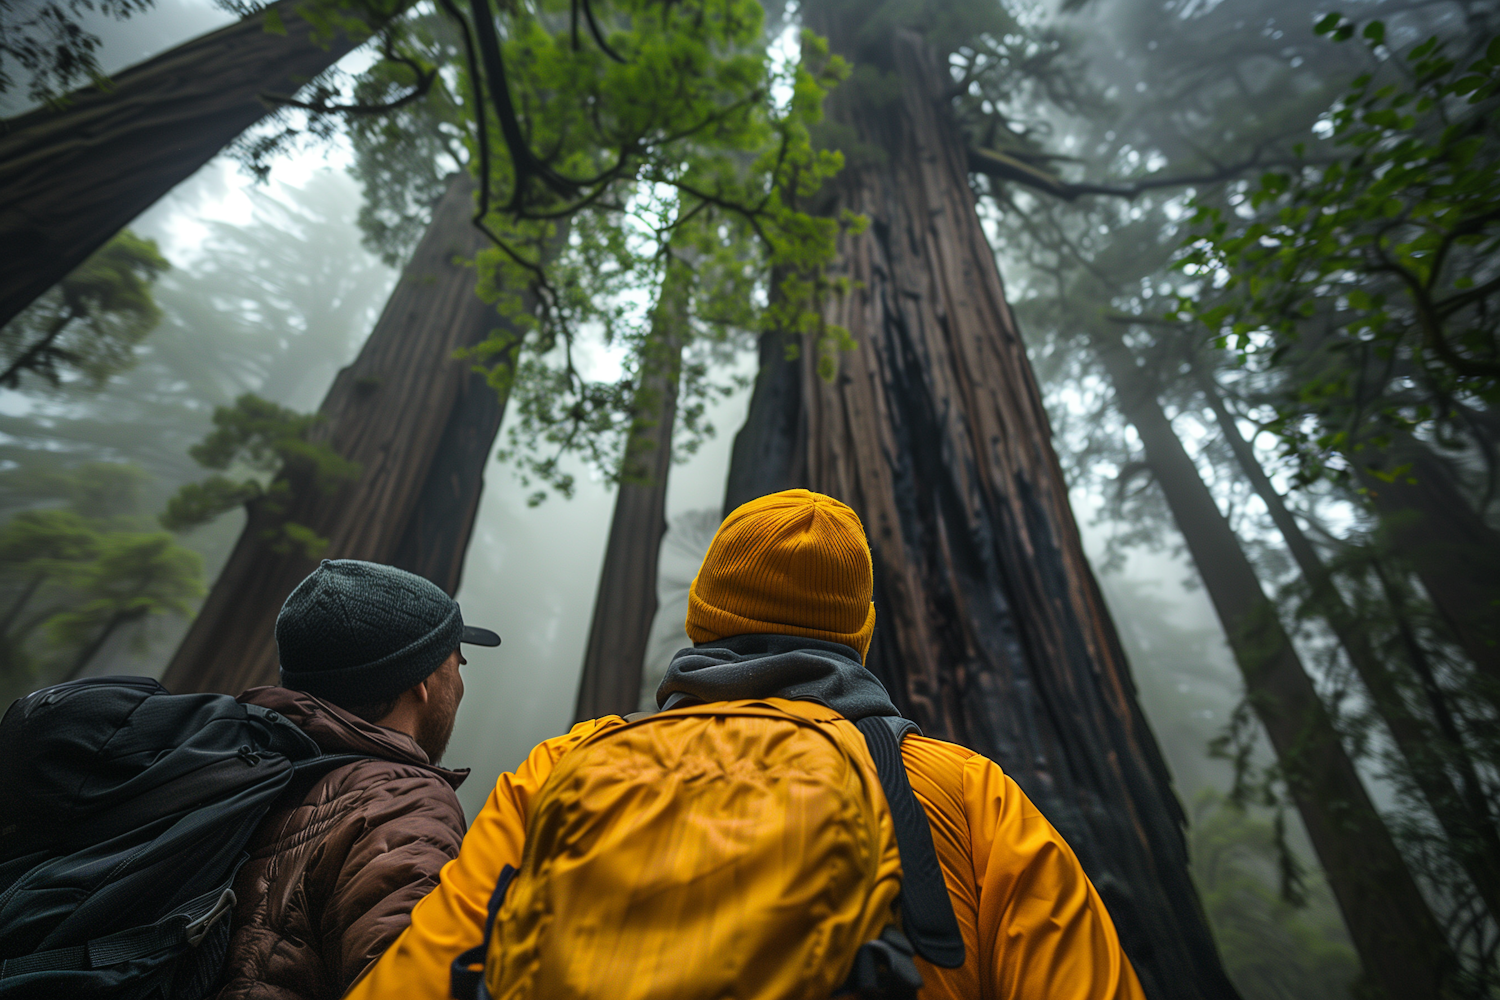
(450, 919)
(378, 860)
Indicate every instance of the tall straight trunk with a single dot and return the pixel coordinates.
(72, 178)
(1464, 815)
(1437, 531)
(626, 602)
(419, 422)
(1400, 943)
(990, 629)
(87, 654)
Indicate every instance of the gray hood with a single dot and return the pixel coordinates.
(775, 666)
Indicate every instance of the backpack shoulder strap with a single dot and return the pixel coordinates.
(926, 909)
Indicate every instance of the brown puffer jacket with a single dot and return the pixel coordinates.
(335, 869)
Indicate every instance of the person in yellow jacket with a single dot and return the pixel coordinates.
(782, 608)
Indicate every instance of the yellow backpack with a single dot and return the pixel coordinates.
(733, 851)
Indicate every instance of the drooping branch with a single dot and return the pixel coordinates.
(1008, 167)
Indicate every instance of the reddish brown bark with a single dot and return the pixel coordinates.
(419, 422)
(626, 601)
(990, 628)
(72, 178)
(1399, 941)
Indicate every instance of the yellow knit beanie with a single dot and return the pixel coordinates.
(792, 563)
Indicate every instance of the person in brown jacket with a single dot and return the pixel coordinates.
(369, 666)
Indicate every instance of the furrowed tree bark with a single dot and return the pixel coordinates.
(1464, 815)
(1435, 528)
(1399, 941)
(72, 178)
(990, 630)
(626, 601)
(419, 422)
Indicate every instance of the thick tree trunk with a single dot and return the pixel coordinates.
(1435, 528)
(1464, 815)
(419, 422)
(1399, 942)
(990, 628)
(626, 602)
(72, 178)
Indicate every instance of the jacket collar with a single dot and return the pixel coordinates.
(775, 666)
(337, 731)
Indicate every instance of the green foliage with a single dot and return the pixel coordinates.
(1272, 949)
(90, 323)
(47, 42)
(1375, 277)
(72, 575)
(276, 456)
(692, 149)
(133, 575)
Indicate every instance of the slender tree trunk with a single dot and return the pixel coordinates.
(28, 358)
(72, 178)
(1464, 816)
(419, 422)
(87, 654)
(626, 602)
(1437, 531)
(1399, 942)
(990, 627)
(27, 593)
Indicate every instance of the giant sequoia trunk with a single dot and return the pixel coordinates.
(421, 425)
(626, 602)
(1462, 810)
(72, 178)
(990, 628)
(1400, 943)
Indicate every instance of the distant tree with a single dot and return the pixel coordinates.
(77, 568)
(1374, 284)
(276, 443)
(135, 575)
(1275, 950)
(89, 324)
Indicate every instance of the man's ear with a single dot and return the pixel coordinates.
(422, 692)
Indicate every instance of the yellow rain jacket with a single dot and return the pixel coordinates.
(1032, 922)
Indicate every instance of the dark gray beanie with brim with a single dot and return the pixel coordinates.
(359, 633)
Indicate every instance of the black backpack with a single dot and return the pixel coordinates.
(124, 815)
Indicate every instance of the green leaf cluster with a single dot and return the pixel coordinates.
(686, 144)
(91, 322)
(1373, 280)
(273, 455)
(81, 565)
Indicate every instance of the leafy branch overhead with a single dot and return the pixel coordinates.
(1388, 257)
(273, 456)
(690, 148)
